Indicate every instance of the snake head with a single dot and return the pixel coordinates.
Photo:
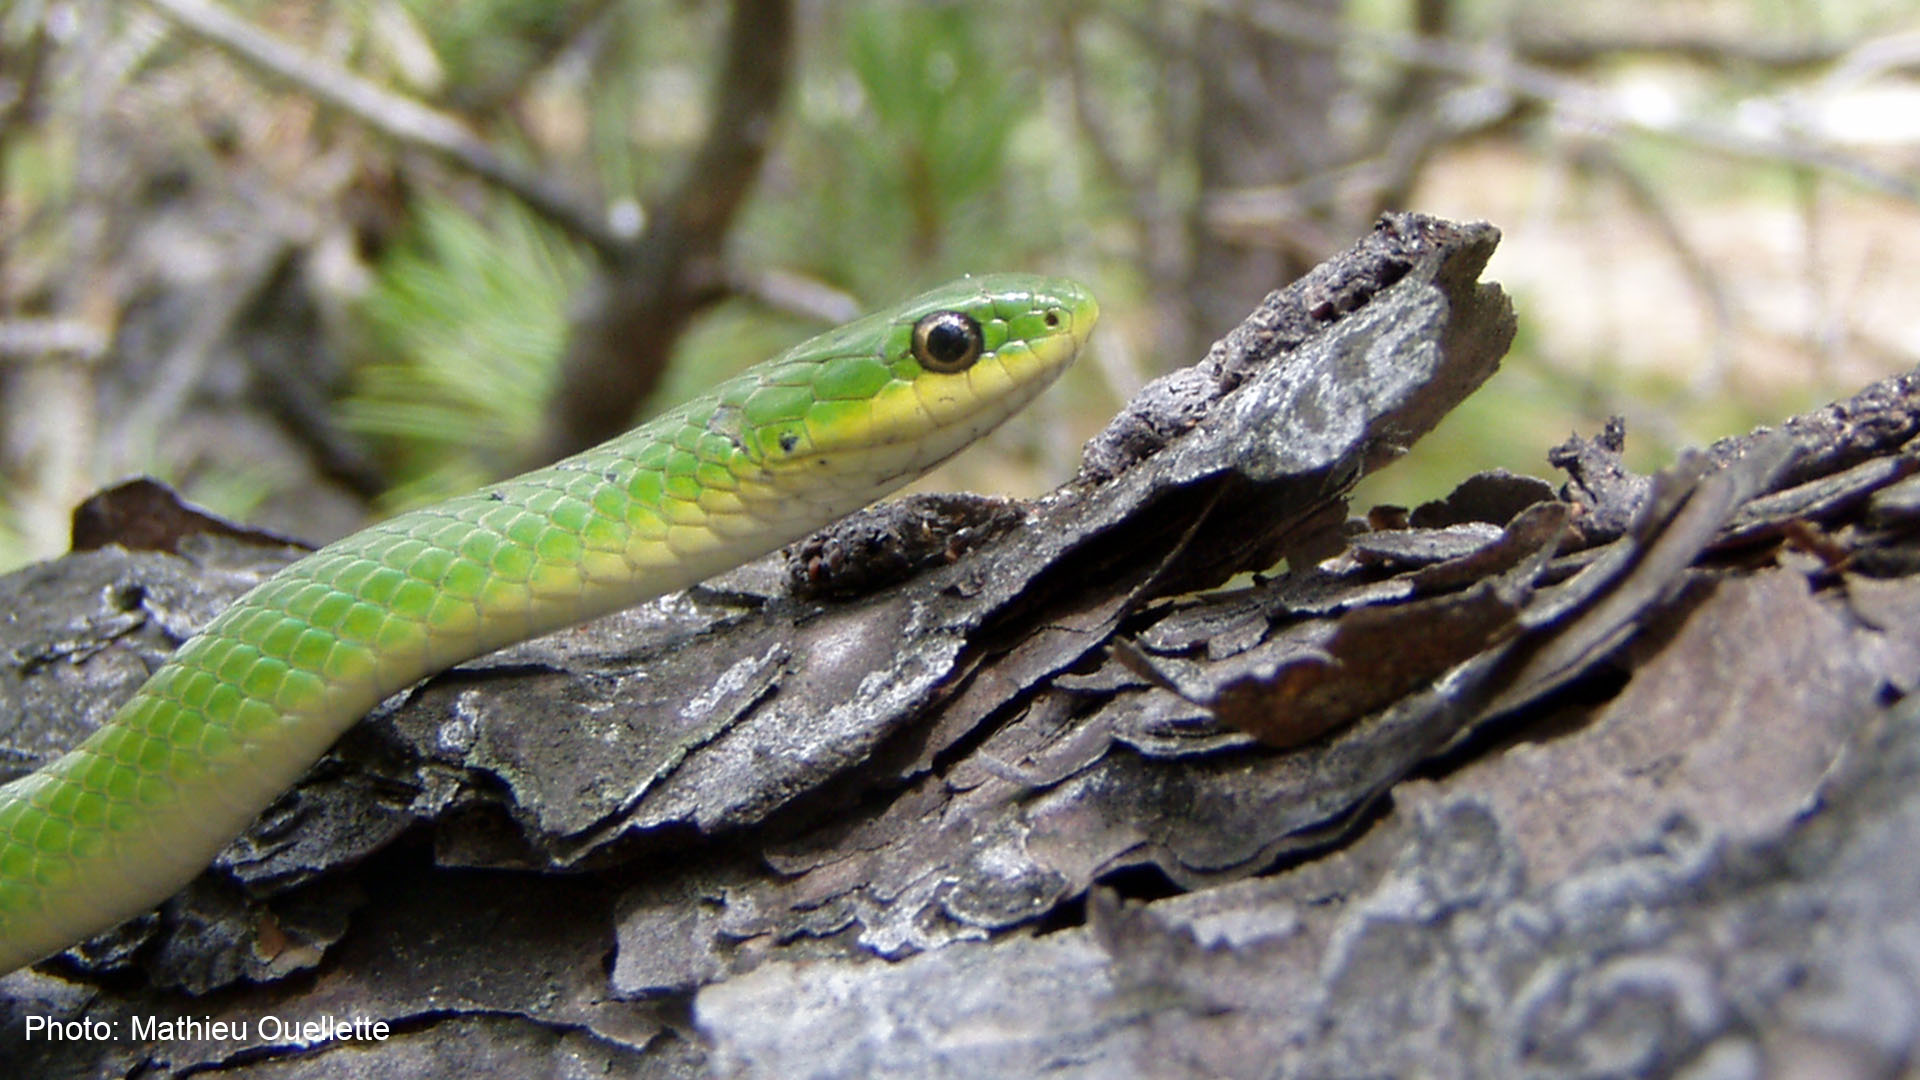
(898, 391)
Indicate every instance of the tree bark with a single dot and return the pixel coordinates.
(1609, 779)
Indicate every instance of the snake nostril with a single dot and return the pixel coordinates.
(1053, 320)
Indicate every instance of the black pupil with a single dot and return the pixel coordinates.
(947, 341)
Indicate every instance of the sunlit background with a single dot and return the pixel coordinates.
(237, 251)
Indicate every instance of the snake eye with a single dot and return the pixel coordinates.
(946, 341)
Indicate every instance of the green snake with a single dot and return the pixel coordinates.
(242, 709)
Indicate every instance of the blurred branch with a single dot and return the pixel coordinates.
(1096, 122)
(1380, 177)
(20, 92)
(1694, 263)
(794, 293)
(1411, 109)
(1571, 98)
(1553, 47)
(30, 339)
(23, 67)
(583, 33)
(51, 408)
(1282, 214)
(632, 314)
(1266, 107)
(1871, 59)
(1167, 246)
(182, 367)
(398, 117)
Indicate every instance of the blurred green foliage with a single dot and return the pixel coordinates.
(465, 321)
(897, 168)
(937, 155)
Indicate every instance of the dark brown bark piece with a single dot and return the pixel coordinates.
(1606, 492)
(144, 514)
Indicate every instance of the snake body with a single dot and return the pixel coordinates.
(242, 709)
